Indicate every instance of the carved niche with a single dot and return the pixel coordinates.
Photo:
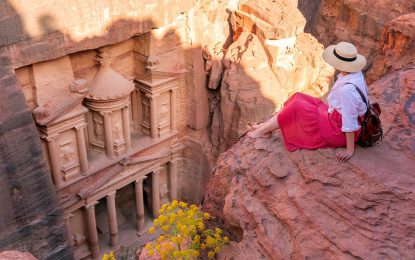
(157, 101)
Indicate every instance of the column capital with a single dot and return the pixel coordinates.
(111, 194)
(105, 113)
(141, 179)
(67, 216)
(50, 138)
(152, 96)
(80, 127)
(91, 205)
(157, 171)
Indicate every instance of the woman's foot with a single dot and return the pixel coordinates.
(258, 134)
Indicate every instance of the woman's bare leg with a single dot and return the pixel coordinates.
(265, 128)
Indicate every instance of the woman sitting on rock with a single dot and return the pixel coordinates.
(308, 123)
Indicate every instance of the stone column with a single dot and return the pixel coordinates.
(53, 152)
(155, 191)
(109, 144)
(139, 203)
(173, 111)
(92, 230)
(134, 108)
(80, 138)
(153, 115)
(173, 179)
(67, 217)
(112, 221)
(90, 129)
(126, 127)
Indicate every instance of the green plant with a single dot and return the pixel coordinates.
(183, 233)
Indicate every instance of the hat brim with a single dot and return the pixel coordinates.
(346, 66)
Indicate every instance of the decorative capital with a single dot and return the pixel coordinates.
(50, 138)
(111, 194)
(80, 127)
(140, 180)
(105, 113)
(152, 97)
(91, 205)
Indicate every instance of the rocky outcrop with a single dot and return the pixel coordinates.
(398, 44)
(360, 22)
(31, 219)
(304, 204)
(271, 57)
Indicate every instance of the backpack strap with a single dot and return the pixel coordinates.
(361, 94)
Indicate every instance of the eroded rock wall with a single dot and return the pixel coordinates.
(303, 204)
(270, 58)
(360, 22)
(31, 218)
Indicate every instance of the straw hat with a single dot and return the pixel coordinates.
(344, 57)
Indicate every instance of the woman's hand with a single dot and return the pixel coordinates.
(344, 155)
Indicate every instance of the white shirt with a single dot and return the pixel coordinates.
(347, 101)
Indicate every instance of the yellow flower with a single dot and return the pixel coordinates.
(217, 249)
(169, 208)
(163, 255)
(165, 228)
(161, 238)
(164, 206)
(218, 231)
(156, 221)
(152, 230)
(217, 236)
(192, 228)
(148, 246)
(174, 239)
(163, 219)
(183, 229)
(211, 254)
(206, 215)
(226, 240)
(174, 204)
(161, 211)
(195, 253)
(203, 246)
(196, 239)
(210, 241)
(194, 208)
(180, 213)
(201, 226)
(176, 254)
(182, 204)
(150, 252)
(158, 248)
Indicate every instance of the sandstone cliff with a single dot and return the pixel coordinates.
(269, 59)
(367, 24)
(306, 205)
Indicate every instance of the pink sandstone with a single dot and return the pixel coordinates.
(304, 204)
(15, 255)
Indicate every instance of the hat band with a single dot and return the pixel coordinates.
(343, 58)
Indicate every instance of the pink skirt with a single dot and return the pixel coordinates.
(306, 124)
